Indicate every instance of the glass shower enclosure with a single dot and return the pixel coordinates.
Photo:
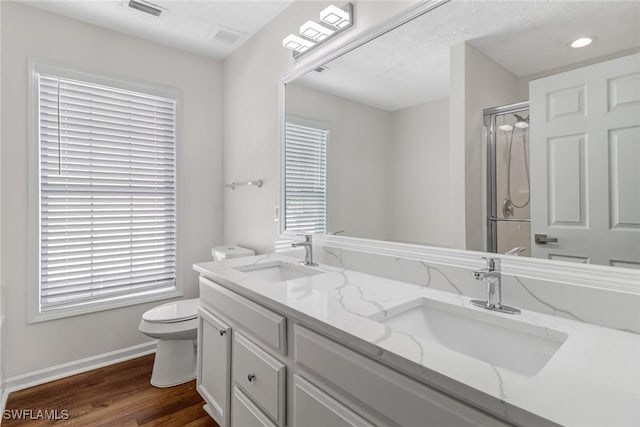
(508, 179)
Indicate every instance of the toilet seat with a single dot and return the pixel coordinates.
(173, 312)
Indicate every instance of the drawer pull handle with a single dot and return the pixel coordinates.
(223, 332)
(251, 377)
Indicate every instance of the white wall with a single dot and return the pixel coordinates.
(251, 130)
(358, 153)
(419, 196)
(477, 82)
(28, 31)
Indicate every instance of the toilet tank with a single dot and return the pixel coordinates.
(220, 253)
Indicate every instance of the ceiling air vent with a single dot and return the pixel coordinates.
(228, 36)
(145, 7)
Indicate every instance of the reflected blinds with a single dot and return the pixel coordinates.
(306, 179)
(107, 193)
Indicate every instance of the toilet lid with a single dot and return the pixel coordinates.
(176, 311)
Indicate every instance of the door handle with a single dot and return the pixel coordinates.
(543, 239)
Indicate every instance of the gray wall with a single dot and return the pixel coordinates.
(358, 156)
(251, 134)
(28, 31)
(477, 82)
(387, 171)
(419, 197)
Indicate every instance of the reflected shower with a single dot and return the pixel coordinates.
(508, 203)
(508, 179)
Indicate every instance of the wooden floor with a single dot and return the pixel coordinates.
(117, 395)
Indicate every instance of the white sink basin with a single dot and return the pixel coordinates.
(505, 342)
(277, 271)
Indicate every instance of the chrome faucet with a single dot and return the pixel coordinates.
(493, 277)
(308, 250)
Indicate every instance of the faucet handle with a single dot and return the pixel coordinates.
(307, 236)
(493, 264)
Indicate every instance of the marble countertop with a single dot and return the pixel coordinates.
(593, 379)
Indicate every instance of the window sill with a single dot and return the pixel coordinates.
(125, 301)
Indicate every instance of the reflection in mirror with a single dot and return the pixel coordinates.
(469, 130)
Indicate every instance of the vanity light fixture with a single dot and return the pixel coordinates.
(581, 42)
(314, 31)
(333, 20)
(296, 43)
(335, 16)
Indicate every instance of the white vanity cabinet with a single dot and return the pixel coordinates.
(245, 366)
(238, 375)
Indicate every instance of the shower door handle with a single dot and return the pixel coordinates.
(543, 239)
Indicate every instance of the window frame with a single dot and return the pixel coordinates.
(44, 66)
(286, 235)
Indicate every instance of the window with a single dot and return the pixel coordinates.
(106, 188)
(305, 178)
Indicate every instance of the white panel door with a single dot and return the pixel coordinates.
(585, 164)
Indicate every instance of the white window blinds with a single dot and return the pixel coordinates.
(107, 205)
(305, 178)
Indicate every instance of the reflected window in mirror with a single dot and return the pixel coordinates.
(414, 159)
(306, 177)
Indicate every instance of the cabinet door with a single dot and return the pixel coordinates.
(214, 366)
(314, 408)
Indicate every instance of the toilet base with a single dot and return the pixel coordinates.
(175, 363)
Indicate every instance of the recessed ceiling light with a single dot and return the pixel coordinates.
(581, 42)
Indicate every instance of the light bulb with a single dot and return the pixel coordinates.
(314, 31)
(335, 16)
(297, 43)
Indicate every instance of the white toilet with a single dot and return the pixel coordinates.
(175, 326)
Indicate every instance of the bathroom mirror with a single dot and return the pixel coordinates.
(461, 130)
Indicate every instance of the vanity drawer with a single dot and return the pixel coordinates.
(264, 324)
(260, 376)
(246, 414)
(391, 394)
(314, 408)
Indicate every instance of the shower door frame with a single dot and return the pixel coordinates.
(489, 119)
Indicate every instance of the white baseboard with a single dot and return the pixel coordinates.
(3, 402)
(30, 379)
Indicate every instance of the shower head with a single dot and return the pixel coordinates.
(505, 128)
(521, 122)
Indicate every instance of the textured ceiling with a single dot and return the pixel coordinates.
(410, 65)
(191, 25)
